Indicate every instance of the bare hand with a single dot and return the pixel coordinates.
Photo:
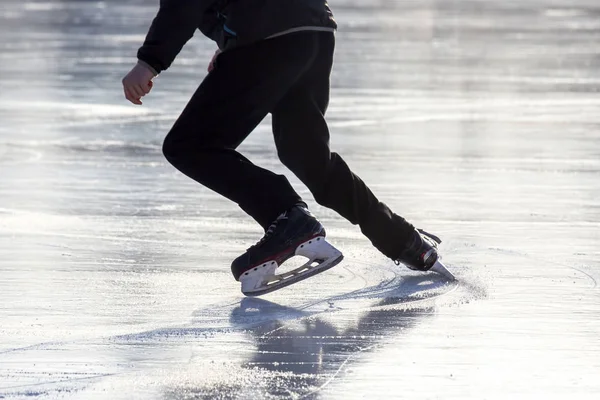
(211, 65)
(137, 83)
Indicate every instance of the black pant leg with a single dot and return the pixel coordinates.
(231, 101)
(302, 139)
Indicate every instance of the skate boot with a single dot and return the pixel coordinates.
(421, 254)
(295, 232)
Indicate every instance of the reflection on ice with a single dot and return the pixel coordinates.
(297, 351)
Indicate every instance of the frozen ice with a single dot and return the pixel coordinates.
(478, 121)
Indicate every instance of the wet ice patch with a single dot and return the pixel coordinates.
(78, 109)
(564, 12)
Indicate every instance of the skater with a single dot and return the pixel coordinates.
(274, 56)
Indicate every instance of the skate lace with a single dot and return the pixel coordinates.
(270, 230)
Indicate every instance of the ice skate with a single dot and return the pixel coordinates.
(294, 233)
(421, 254)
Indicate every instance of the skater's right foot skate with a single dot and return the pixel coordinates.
(295, 232)
(421, 254)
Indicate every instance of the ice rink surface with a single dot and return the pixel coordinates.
(476, 120)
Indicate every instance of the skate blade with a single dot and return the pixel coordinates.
(439, 268)
(260, 281)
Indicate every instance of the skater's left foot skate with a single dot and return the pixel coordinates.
(421, 254)
(295, 232)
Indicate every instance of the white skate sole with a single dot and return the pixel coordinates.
(262, 279)
(441, 269)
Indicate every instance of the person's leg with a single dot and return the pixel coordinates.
(302, 140)
(231, 101)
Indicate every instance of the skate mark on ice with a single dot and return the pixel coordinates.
(169, 333)
(383, 283)
(124, 239)
(354, 275)
(544, 260)
(398, 286)
(37, 346)
(30, 393)
(337, 372)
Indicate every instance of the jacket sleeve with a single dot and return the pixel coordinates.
(174, 24)
(211, 25)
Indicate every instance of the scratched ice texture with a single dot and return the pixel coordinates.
(474, 119)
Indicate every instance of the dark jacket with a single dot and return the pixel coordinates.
(230, 23)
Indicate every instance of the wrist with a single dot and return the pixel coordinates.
(148, 67)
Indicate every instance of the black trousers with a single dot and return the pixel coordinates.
(287, 76)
